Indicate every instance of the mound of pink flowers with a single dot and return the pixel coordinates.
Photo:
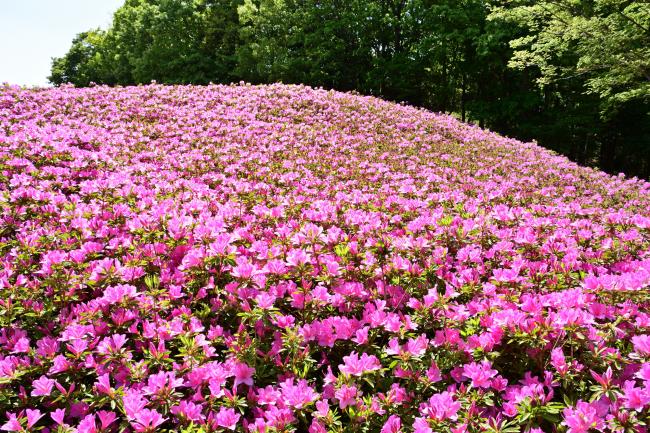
(279, 259)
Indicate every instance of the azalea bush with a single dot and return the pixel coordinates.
(280, 258)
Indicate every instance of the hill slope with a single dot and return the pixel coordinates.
(249, 257)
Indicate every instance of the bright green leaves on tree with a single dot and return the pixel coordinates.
(606, 43)
(170, 41)
(83, 63)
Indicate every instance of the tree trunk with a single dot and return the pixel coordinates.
(607, 155)
(462, 98)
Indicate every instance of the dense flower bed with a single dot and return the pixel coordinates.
(278, 258)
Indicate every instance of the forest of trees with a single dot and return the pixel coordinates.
(574, 75)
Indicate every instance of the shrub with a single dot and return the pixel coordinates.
(279, 258)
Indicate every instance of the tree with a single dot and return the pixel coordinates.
(84, 61)
(170, 41)
(595, 55)
(322, 43)
(606, 42)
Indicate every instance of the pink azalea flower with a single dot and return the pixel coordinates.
(416, 346)
(47, 347)
(442, 406)
(357, 366)
(479, 374)
(420, 425)
(558, 361)
(188, 411)
(106, 418)
(162, 384)
(133, 402)
(297, 395)
(227, 418)
(58, 415)
(641, 344)
(59, 364)
(111, 344)
(147, 420)
(644, 372)
(635, 398)
(392, 425)
(433, 373)
(103, 385)
(244, 270)
(33, 415)
(346, 395)
(87, 425)
(582, 418)
(317, 427)
(322, 408)
(77, 346)
(42, 386)
(265, 300)
(243, 374)
(21, 346)
(297, 257)
(115, 294)
(12, 424)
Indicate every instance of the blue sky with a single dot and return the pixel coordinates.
(34, 31)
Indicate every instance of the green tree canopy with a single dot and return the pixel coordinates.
(604, 42)
(83, 63)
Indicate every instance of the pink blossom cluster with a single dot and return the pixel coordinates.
(279, 258)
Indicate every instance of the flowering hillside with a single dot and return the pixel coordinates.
(278, 258)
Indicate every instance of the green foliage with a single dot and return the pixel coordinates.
(606, 42)
(574, 75)
(169, 41)
(83, 63)
(308, 41)
(593, 57)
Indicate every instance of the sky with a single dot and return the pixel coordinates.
(34, 31)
